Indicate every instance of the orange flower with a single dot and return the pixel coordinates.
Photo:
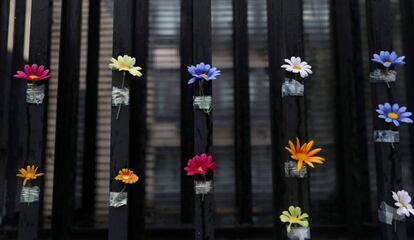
(304, 154)
(127, 176)
(29, 174)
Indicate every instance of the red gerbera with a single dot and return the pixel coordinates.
(200, 165)
(33, 73)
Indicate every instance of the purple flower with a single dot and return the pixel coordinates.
(388, 60)
(394, 114)
(203, 71)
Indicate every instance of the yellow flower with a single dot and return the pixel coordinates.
(125, 63)
(303, 154)
(127, 176)
(29, 174)
(294, 216)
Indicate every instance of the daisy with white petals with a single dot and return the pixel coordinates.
(403, 202)
(295, 65)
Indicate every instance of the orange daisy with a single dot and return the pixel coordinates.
(29, 173)
(304, 154)
(127, 176)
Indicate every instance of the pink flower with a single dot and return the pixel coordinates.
(200, 165)
(33, 73)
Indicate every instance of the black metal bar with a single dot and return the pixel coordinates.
(407, 18)
(242, 113)
(276, 55)
(203, 127)
(139, 127)
(294, 114)
(39, 53)
(91, 107)
(288, 114)
(120, 128)
(17, 118)
(4, 98)
(187, 115)
(389, 177)
(66, 120)
(350, 134)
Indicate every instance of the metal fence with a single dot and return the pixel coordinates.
(78, 141)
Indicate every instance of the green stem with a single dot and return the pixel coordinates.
(123, 189)
(122, 86)
(201, 87)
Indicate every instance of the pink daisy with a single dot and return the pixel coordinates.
(200, 165)
(33, 73)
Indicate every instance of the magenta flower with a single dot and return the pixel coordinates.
(33, 73)
(200, 165)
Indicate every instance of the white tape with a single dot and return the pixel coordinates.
(118, 199)
(386, 214)
(35, 93)
(203, 187)
(300, 233)
(291, 170)
(386, 136)
(202, 102)
(29, 194)
(292, 87)
(120, 96)
(383, 76)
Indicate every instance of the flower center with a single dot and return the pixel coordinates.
(33, 77)
(125, 68)
(388, 62)
(204, 75)
(30, 175)
(301, 156)
(294, 220)
(393, 115)
(297, 67)
(126, 177)
(200, 169)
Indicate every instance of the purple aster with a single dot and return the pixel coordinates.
(394, 114)
(388, 60)
(203, 71)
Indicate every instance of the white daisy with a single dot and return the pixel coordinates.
(403, 201)
(295, 65)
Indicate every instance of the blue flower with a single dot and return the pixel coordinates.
(388, 60)
(202, 71)
(394, 114)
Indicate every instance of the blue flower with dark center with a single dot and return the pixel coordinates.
(388, 60)
(202, 71)
(394, 113)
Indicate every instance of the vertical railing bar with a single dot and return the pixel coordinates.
(187, 115)
(203, 127)
(285, 23)
(351, 152)
(242, 113)
(123, 34)
(39, 53)
(276, 55)
(4, 99)
(387, 156)
(66, 120)
(139, 122)
(91, 107)
(407, 18)
(17, 144)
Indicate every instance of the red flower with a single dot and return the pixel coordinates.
(200, 165)
(33, 73)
